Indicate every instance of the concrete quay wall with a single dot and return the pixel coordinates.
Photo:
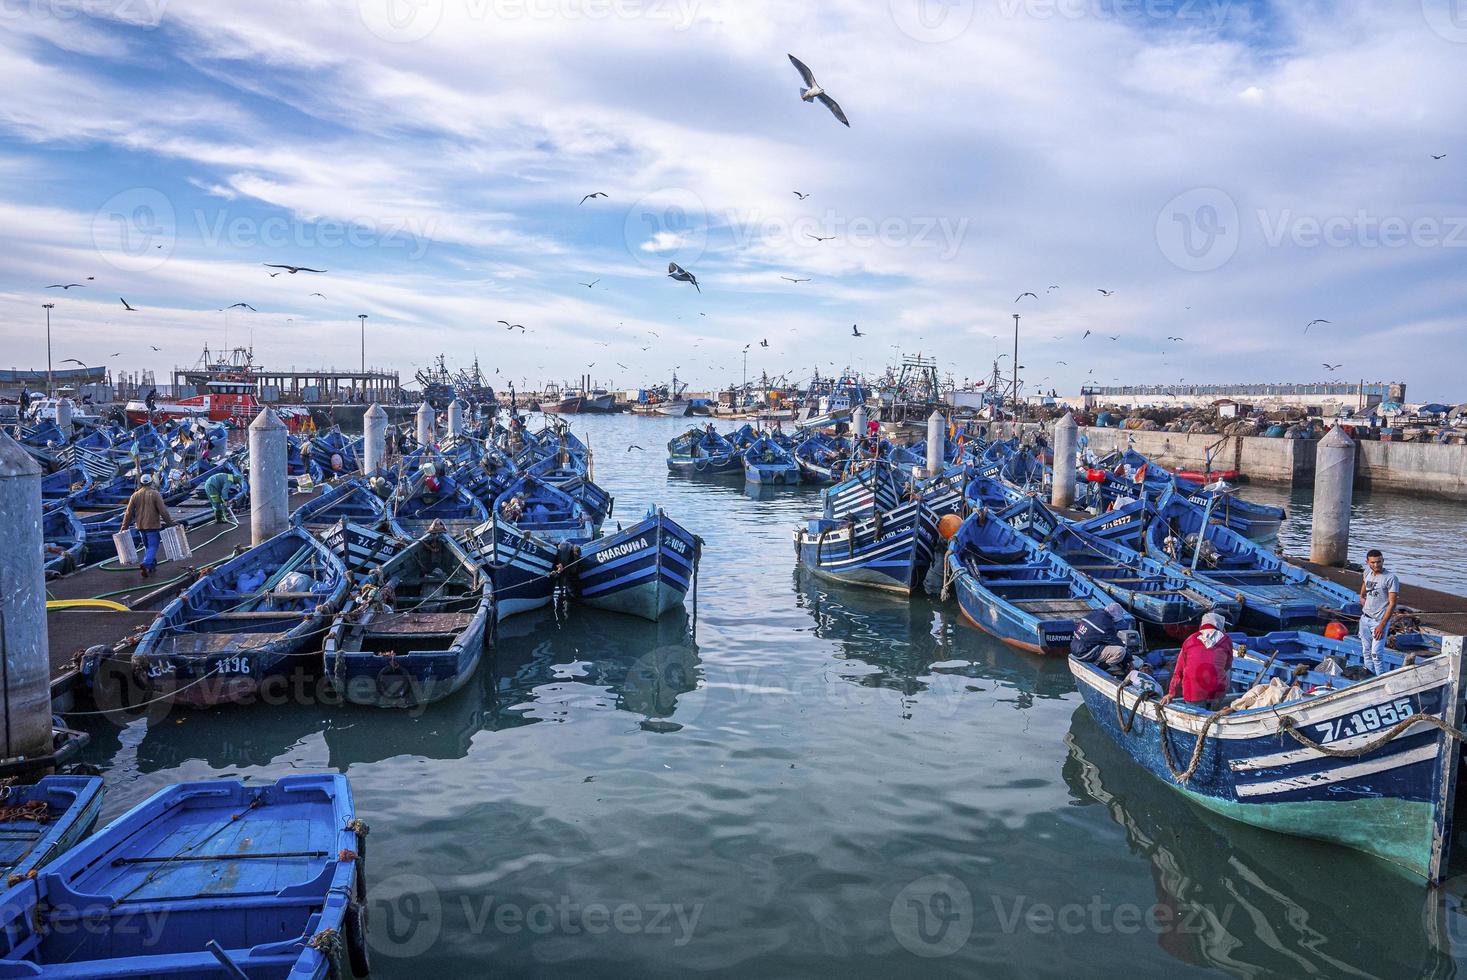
(1426, 469)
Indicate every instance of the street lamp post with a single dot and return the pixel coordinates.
(363, 318)
(1016, 367)
(50, 382)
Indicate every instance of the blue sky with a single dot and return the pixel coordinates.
(1229, 170)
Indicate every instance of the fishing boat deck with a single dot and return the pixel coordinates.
(421, 622)
(1437, 610)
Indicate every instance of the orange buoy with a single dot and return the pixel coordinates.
(1336, 631)
(949, 525)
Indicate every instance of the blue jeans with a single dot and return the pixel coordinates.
(1371, 648)
(151, 540)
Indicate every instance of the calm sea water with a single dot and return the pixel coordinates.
(824, 780)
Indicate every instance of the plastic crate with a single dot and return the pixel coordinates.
(175, 543)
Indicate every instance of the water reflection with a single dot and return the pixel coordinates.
(1248, 901)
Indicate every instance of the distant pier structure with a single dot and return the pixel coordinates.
(1324, 395)
(322, 385)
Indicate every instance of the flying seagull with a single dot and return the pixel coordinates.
(1087, 333)
(156, 348)
(764, 343)
(629, 449)
(801, 196)
(1438, 156)
(592, 197)
(588, 285)
(1114, 336)
(1051, 289)
(322, 295)
(272, 275)
(675, 271)
(813, 91)
(72, 360)
(788, 279)
(1177, 339)
(1106, 292)
(1334, 367)
(67, 286)
(1312, 323)
(91, 278)
(856, 331)
(125, 306)
(818, 238)
(512, 326)
(238, 305)
(1022, 295)
(1065, 363)
(292, 269)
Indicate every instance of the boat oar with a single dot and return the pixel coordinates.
(230, 967)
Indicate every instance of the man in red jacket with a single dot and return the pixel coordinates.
(1201, 674)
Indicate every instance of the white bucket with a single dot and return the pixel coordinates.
(127, 552)
(175, 543)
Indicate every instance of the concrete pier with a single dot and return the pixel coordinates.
(1066, 437)
(427, 424)
(455, 419)
(269, 495)
(374, 439)
(23, 635)
(936, 444)
(1334, 487)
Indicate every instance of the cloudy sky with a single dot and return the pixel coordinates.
(1230, 170)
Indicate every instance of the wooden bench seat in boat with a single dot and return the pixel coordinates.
(405, 623)
(1066, 608)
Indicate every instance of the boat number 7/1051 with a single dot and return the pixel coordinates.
(1370, 720)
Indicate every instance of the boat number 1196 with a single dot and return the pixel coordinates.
(1370, 720)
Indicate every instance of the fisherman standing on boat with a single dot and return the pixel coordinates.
(220, 488)
(146, 510)
(1097, 638)
(1201, 673)
(1378, 591)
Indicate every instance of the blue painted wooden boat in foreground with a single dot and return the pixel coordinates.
(65, 540)
(350, 500)
(891, 550)
(767, 463)
(521, 565)
(1389, 801)
(1010, 587)
(703, 452)
(40, 822)
(263, 871)
(415, 630)
(646, 570)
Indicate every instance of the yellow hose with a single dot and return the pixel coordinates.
(85, 604)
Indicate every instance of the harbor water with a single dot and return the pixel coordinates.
(823, 780)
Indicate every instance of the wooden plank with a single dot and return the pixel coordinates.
(1443, 816)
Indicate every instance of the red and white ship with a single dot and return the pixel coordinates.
(226, 394)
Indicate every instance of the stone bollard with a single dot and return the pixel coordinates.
(1334, 487)
(23, 639)
(936, 444)
(1066, 435)
(858, 422)
(427, 425)
(455, 419)
(64, 412)
(374, 440)
(269, 495)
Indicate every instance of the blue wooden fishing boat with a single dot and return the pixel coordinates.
(822, 458)
(1386, 798)
(300, 465)
(1274, 594)
(869, 484)
(214, 878)
(545, 511)
(703, 452)
(243, 621)
(645, 570)
(767, 463)
(891, 550)
(1157, 593)
(65, 540)
(415, 507)
(414, 630)
(42, 821)
(351, 500)
(991, 492)
(521, 565)
(64, 483)
(361, 548)
(332, 443)
(1257, 522)
(1013, 589)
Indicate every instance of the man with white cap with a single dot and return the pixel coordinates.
(147, 511)
(1097, 638)
(1201, 674)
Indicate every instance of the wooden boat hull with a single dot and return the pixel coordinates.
(72, 804)
(772, 474)
(691, 466)
(646, 570)
(893, 554)
(260, 869)
(1384, 803)
(521, 567)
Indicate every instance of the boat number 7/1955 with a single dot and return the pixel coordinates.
(1370, 720)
